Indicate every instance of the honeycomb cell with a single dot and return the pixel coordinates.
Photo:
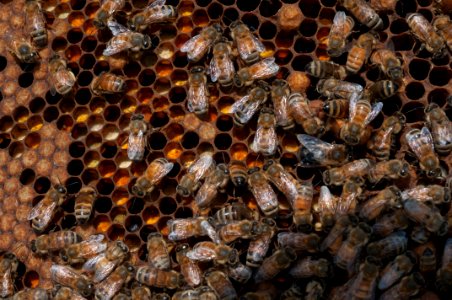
(32, 140)
(59, 44)
(26, 79)
(299, 62)
(223, 141)
(413, 111)
(89, 43)
(3, 63)
(112, 114)
(173, 150)
(440, 76)
(303, 45)
(157, 141)
(438, 96)
(66, 105)
(200, 18)
(167, 205)
(415, 90)
(5, 140)
(419, 69)
(230, 15)
(399, 26)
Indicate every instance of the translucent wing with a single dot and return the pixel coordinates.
(200, 166)
(444, 133)
(116, 45)
(245, 109)
(338, 23)
(376, 108)
(156, 3)
(103, 271)
(417, 139)
(90, 264)
(194, 47)
(210, 231)
(238, 105)
(214, 70)
(315, 146)
(137, 143)
(200, 252)
(352, 105)
(43, 209)
(265, 141)
(267, 68)
(326, 202)
(62, 274)
(92, 246)
(197, 99)
(257, 43)
(117, 28)
(158, 172)
(265, 196)
(345, 204)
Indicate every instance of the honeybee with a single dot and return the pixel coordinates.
(221, 66)
(207, 251)
(239, 272)
(391, 169)
(336, 233)
(314, 290)
(61, 77)
(106, 289)
(258, 295)
(421, 142)
(300, 111)
(197, 99)
(125, 39)
(188, 268)
(138, 138)
(180, 229)
(381, 141)
(280, 96)
(352, 170)
(388, 223)
(257, 250)
(35, 23)
(434, 193)
(122, 296)
(104, 263)
(31, 294)
(157, 248)
(211, 231)
(443, 26)
(383, 5)
(360, 52)
(161, 296)
(83, 206)
(64, 293)
(238, 173)
(265, 139)
(107, 83)
(425, 33)
(388, 62)
(197, 171)
(249, 46)
(336, 108)
(349, 198)
(221, 285)
(382, 89)
(299, 241)
(78, 253)
(106, 11)
(263, 193)
(206, 293)
(159, 278)
(54, 241)
(335, 88)
(325, 69)
(156, 12)
(42, 213)
(319, 153)
(441, 128)
(22, 49)
(364, 13)
(141, 293)
(8, 269)
(292, 293)
(350, 249)
(233, 212)
(339, 33)
(396, 269)
(309, 267)
(187, 294)
(68, 277)
(389, 247)
(246, 107)
(365, 283)
(419, 234)
(216, 181)
(408, 287)
(385, 199)
(427, 260)
(430, 217)
(444, 273)
(244, 229)
(272, 265)
(197, 46)
(263, 69)
(154, 173)
(327, 204)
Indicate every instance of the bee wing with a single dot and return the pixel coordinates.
(59, 271)
(137, 143)
(352, 105)
(214, 70)
(53, 91)
(116, 45)
(43, 208)
(104, 271)
(160, 172)
(315, 146)
(376, 108)
(269, 68)
(156, 3)
(257, 43)
(426, 137)
(190, 44)
(117, 28)
(326, 201)
(90, 264)
(200, 167)
(237, 106)
(197, 98)
(93, 246)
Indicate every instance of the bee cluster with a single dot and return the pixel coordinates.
(225, 149)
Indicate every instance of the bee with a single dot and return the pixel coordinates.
(154, 173)
(141, 293)
(300, 111)
(265, 139)
(186, 295)
(335, 88)
(327, 204)
(272, 265)
(263, 193)
(67, 276)
(350, 249)
(427, 260)
(233, 212)
(388, 63)
(426, 34)
(388, 198)
(443, 26)
(35, 23)
(428, 216)
(156, 12)
(61, 77)
(336, 108)
(339, 33)
(238, 173)
(246, 107)
(419, 234)
(197, 99)
(197, 171)
(434, 193)
(249, 46)
(208, 251)
(107, 83)
(299, 241)
(407, 288)
(197, 46)
(159, 278)
(381, 141)
(244, 229)
(8, 269)
(352, 170)
(122, 296)
(125, 39)
(388, 223)
(161, 296)
(444, 272)
(221, 66)
(258, 295)
(258, 247)
(106, 289)
(325, 69)
(292, 293)
(364, 13)
(365, 283)
(221, 285)
(31, 294)
(441, 128)
(78, 253)
(349, 197)
(106, 11)
(421, 142)
(335, 235)
(188, 268)
(314, 290)
(180, 229)
(383, 5)
(138, 139)
(361, 113)
(54, 241)
(382, 89)
(239, 272)
(391, 169)
(206, 293)
(104, 263)
(389, 247)
(83, 206)
(263, 69)
(22, 49)
(319, 153)
(157, 248)
(280, 96)
(64, 293)
(396, 269)
(360, 52)
(42, 213)
(309, 267)
(216, 181)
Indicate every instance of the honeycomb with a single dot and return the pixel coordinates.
(80, 139)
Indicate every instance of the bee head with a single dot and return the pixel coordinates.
(183, 191)
(61, 189)
(326, 107)
(147, 43)
(237, 81)
(137, 191)
(135, 22)
(235, 24)
(63, 256)
(84, 287)
(395, 73)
